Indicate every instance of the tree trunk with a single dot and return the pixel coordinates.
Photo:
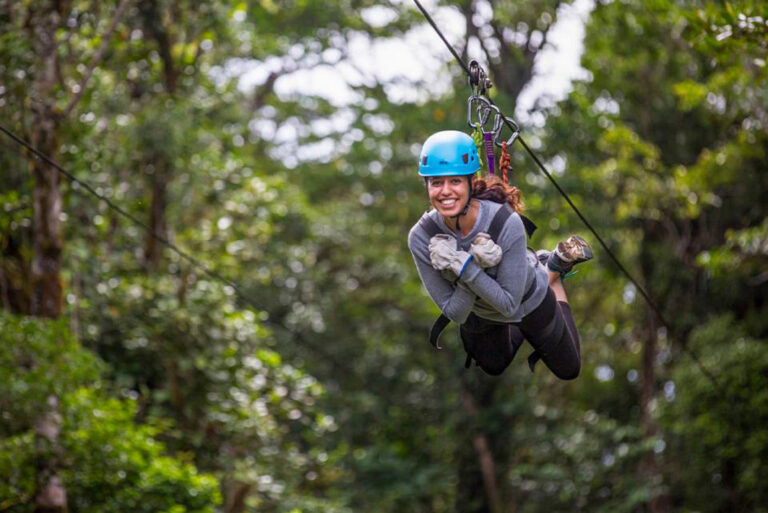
(510, 66)
(15, 276)
(649, 466)
(480, 490)
(153, 249)
(50, 494)
(46, 301)
(46, 260)
(159, 166)
(237, 496)
(485, 458)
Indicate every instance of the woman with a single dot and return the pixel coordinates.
(497, 290)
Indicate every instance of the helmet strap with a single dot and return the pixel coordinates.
(465, 210)
(469, 200)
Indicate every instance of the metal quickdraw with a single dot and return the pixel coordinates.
(484, 108)
(479, 110)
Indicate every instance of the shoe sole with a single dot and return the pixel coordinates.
(576, 248)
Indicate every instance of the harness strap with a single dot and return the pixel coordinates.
(500, 219)
(533, 359)
(429, 225)
(437, 328)
(529, 225)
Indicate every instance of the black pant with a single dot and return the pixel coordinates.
(492, 345)
(552, 332)
(549, 328)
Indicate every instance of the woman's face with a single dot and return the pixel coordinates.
(448, 194)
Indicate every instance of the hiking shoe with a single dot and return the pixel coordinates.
(569, 253)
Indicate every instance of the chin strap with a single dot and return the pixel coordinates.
(464, 211)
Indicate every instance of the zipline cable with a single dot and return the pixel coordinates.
(163, 240)
(567, 198)
(125, 214)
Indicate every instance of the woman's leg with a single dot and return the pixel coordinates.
(556, 284)
(550, 328)
(551, 331)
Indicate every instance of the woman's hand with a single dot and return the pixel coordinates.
(486, 252)
(444, 255)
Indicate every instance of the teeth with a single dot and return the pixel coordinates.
(448, 203)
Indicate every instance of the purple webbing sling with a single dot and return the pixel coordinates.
(489, 151)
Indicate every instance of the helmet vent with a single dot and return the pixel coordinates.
(465, 157)
(424, 160)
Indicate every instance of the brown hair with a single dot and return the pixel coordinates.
(493, 189)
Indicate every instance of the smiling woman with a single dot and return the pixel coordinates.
(472, 258)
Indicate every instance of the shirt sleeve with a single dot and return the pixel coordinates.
(455, 302)
(505, 293)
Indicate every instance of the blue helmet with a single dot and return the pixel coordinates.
(448, 153)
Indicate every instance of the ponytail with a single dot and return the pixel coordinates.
(493, 189)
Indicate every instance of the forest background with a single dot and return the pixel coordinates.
(132, 380)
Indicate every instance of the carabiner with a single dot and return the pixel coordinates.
(515, 132)
(484, 107)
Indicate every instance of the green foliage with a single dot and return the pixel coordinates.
(588, 465)
(37, 359)
(717, 424)
(102, 440)
(109, 463)
(313, 389)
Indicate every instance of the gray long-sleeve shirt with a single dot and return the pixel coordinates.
(499, 299)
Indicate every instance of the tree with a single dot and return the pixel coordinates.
(652, 171)
(103, 459)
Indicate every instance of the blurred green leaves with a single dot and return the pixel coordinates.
(323, 395)
(108, 462)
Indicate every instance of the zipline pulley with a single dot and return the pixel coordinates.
(478, 80)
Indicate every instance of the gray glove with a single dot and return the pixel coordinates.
(486, 252)
(444, 255)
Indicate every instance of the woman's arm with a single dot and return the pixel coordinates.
(505, 293)
(455, 302)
